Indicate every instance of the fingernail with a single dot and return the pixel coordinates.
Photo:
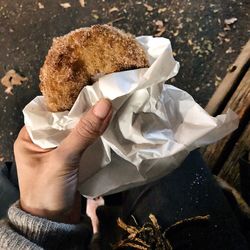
(102, 108)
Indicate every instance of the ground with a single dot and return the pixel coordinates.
(206, 38)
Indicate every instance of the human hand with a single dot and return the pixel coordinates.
(48, 177)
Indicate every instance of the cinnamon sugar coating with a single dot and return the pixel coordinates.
(74, 59)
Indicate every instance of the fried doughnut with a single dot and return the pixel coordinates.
(76, 58)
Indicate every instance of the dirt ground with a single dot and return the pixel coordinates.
(206, 38)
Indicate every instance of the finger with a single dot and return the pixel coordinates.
(88, 129)
(24, 143)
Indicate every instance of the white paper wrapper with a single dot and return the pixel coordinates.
(153, 128)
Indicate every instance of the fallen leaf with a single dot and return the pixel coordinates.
(230, 20)
(161, 10)
(217, 80)
(113, 9)
(40, 5)
(160, 27)
(95, 16)
(82, 3)
(229, 50)
(10, 79)
(159, 23)
(148, 7)
(65, 5)
(190, 42)
(176, 33)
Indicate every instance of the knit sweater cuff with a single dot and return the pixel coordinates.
(49, 234)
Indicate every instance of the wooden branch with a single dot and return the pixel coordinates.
(230, 82)
(216, 154)
(231, 168)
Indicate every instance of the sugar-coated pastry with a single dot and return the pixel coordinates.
(75, 59)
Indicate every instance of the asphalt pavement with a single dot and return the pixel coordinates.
(206, 38)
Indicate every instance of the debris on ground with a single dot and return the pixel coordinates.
(10, 79)
(230, 20)
(217, 81)
(148, 7)
(40, 5)
(229, 50)
(113, 9)
(95, 16)
(161, 10)
(82, 3)
(65, 5)
(151, 235)
(159, 27)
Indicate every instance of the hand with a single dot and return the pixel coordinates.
(48, 177)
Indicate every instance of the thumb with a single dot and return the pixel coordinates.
(89, 128)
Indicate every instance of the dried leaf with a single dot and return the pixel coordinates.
(160, 27)
(218, 78)
(148, 7)
(82, 3)
(230, 20)
(229, 50)
(161, 10)
(40, 5)
(65, 5)
(227, 27)
(95, 16)
(217, 81)
(159, 23)
(176, 33)
(190, 42)
(113, 9)
(10, 79)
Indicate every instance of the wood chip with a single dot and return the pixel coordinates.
(40, 5)
(148, 7)
(65, 5)
(113, 9)
(10, 79)
(82, 3)
(230, 20)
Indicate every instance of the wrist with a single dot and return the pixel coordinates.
(68, 216)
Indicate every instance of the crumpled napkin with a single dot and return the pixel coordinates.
(153, 128)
